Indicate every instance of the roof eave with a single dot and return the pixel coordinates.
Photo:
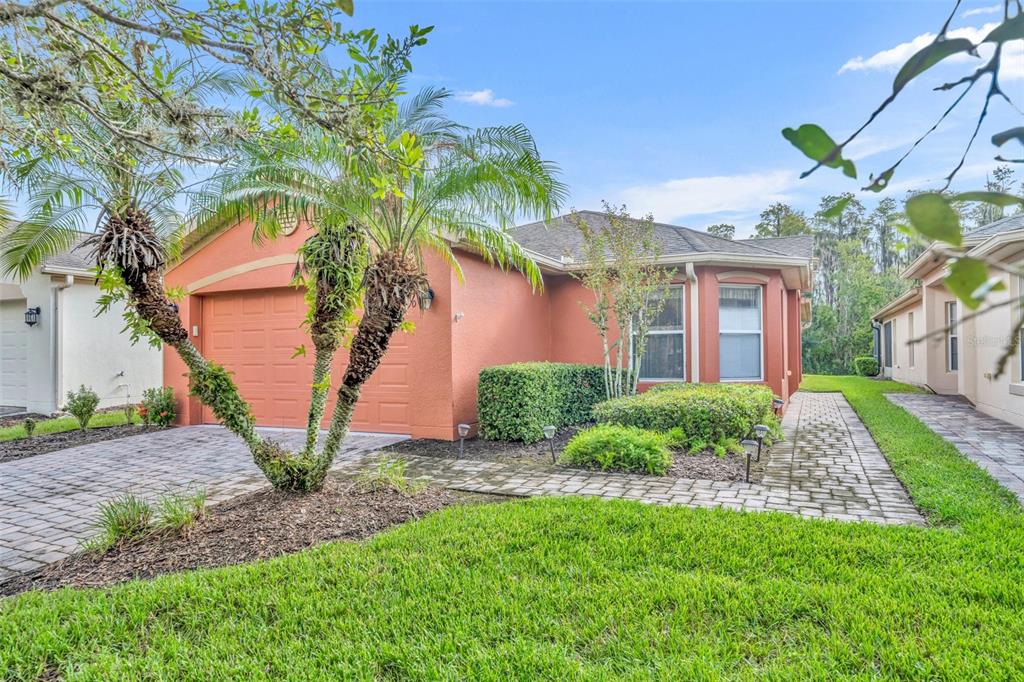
(899, 303)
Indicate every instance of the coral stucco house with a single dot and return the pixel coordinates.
(735, 314)
(962, 360)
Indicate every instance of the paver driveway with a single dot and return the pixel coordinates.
(995, 445)
(48, 503)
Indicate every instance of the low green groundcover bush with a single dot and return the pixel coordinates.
(82, 405)
(708, 414)
(866, 365)
(626, 448)
(515, 402)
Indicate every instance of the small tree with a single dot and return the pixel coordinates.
(82, 405)
(620, 256)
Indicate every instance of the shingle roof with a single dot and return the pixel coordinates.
(559, 237)
(1008, 224)
(801, 246)
(75, 258)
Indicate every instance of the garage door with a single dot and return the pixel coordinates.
(13, 354)
(255, 333)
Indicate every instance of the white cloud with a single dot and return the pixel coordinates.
(1012, 66)
(983, 10)
(703, 196)
(483, 98)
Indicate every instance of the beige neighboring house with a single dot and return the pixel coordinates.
(66, 345)
(962, 361)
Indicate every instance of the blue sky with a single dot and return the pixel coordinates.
(676, 107)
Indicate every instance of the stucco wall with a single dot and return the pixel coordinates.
(71, 346)
(496, 319)
(903, 370)
(96, 353)
(230, 262)
(984, 340)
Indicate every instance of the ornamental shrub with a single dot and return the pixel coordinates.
(515, 402)
(866, 366)
(705, 413)
(82, 405)
(158, 406)
(623, 448)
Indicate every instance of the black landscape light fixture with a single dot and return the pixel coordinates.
(463, 432)
(549, 433)
(426, 299)
(749, 446)
(777, 404)
(761, 430)
(32, 316)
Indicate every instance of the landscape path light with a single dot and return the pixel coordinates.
(748, 447)
(761, 430)
(549, 433)
(463, 432)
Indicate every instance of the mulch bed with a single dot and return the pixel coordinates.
(21, 448)
(709, 466)
(256, 526)
(705, 465)
(19, 419)
(538, 454)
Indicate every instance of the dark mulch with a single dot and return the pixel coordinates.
(709, 466)
(21, 448)
(256, 526)
(705, 465)
(20, 419)
(489, 450)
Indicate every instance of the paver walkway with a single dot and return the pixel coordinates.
(995, 445)
(827, 467)
(48, 503)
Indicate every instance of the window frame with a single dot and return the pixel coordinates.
(744, 332)
(681, 288)
(953, 334)
(911, 356)
(1020, 332)
(888, 345)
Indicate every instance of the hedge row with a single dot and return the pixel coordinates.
(706, 413)
(515, 402)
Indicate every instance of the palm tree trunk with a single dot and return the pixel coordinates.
(392, 283)
(318, 398)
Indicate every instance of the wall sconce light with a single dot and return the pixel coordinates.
(463, 432)
(426, 299)
(32, 316)
(549, 433)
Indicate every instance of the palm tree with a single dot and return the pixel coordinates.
(127, 193)
(373, 219)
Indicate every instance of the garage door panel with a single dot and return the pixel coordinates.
(254, 335)
(13, 353)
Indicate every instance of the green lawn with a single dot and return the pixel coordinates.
(583, 588)
(60, 424)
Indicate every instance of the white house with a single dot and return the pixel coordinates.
(963, 359)
(52, 341)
